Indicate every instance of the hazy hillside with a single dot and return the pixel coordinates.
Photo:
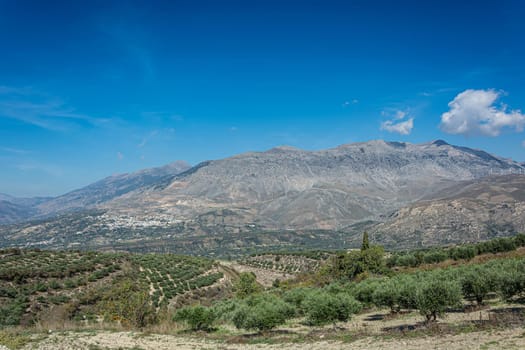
(14, 210)
(111, 187)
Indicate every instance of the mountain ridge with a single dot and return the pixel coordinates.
(294, 193)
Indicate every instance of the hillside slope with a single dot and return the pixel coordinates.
(329, 189)
(284, 196)
(466, 212)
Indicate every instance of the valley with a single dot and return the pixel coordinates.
(366, 245)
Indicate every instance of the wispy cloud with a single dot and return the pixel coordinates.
(120, 156)
(14, 150)
(473, 112)
(351, 102)
(131, 39)
(436, 91)
(9, 90)
(31, 107)
(34, 166)
(156, 115)
(147, 138)
(398, 123)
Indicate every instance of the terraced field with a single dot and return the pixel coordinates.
(31, 281)
(79, 286)
(292, 263)
(171, 275)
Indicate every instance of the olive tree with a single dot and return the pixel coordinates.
(262, 312)
(246, 285)
(197, 317)
(322, 307)
(434, 296)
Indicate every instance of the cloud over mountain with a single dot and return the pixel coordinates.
(473, 112)
(399, 124)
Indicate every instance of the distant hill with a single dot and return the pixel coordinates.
(110, 188)
(281, 196)
(14, 209)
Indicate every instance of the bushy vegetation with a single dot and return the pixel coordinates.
(466, 251)
(172, 275)
(261, 312)
(125, 288)
(134, 290)
(246, 285)
(288, 263)
(197, 317)
(323, 307)
(46, 278)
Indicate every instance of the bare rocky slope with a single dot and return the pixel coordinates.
(469, 211)
(329, 189)
(264, 199)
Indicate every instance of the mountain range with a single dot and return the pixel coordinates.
(400, 192)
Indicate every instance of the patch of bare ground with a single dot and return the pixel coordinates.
(265, 277)
(501, 327)
(497, 339)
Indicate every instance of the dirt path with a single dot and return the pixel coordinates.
(506, 339)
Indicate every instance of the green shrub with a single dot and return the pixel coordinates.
(296, 298)
(476, 283)
(197, 317)
(262, 312)
(128, 302)
(11, 313)
(408, 260)
(463, 252)
(435, 296)
(225, 309)
(511, 283)
(435, 256)
(364, 290)
(388, 294)
(322, 307)
(246, 285)
(407, 292)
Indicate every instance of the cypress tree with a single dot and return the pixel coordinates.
(365, 245)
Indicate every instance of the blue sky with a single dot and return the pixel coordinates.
(93, 88)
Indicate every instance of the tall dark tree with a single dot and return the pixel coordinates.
(366, 244)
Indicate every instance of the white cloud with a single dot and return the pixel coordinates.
(120, 156)
(400, 115)
(523, 143)
(398, 122)
(473, 112)
(403, 128)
